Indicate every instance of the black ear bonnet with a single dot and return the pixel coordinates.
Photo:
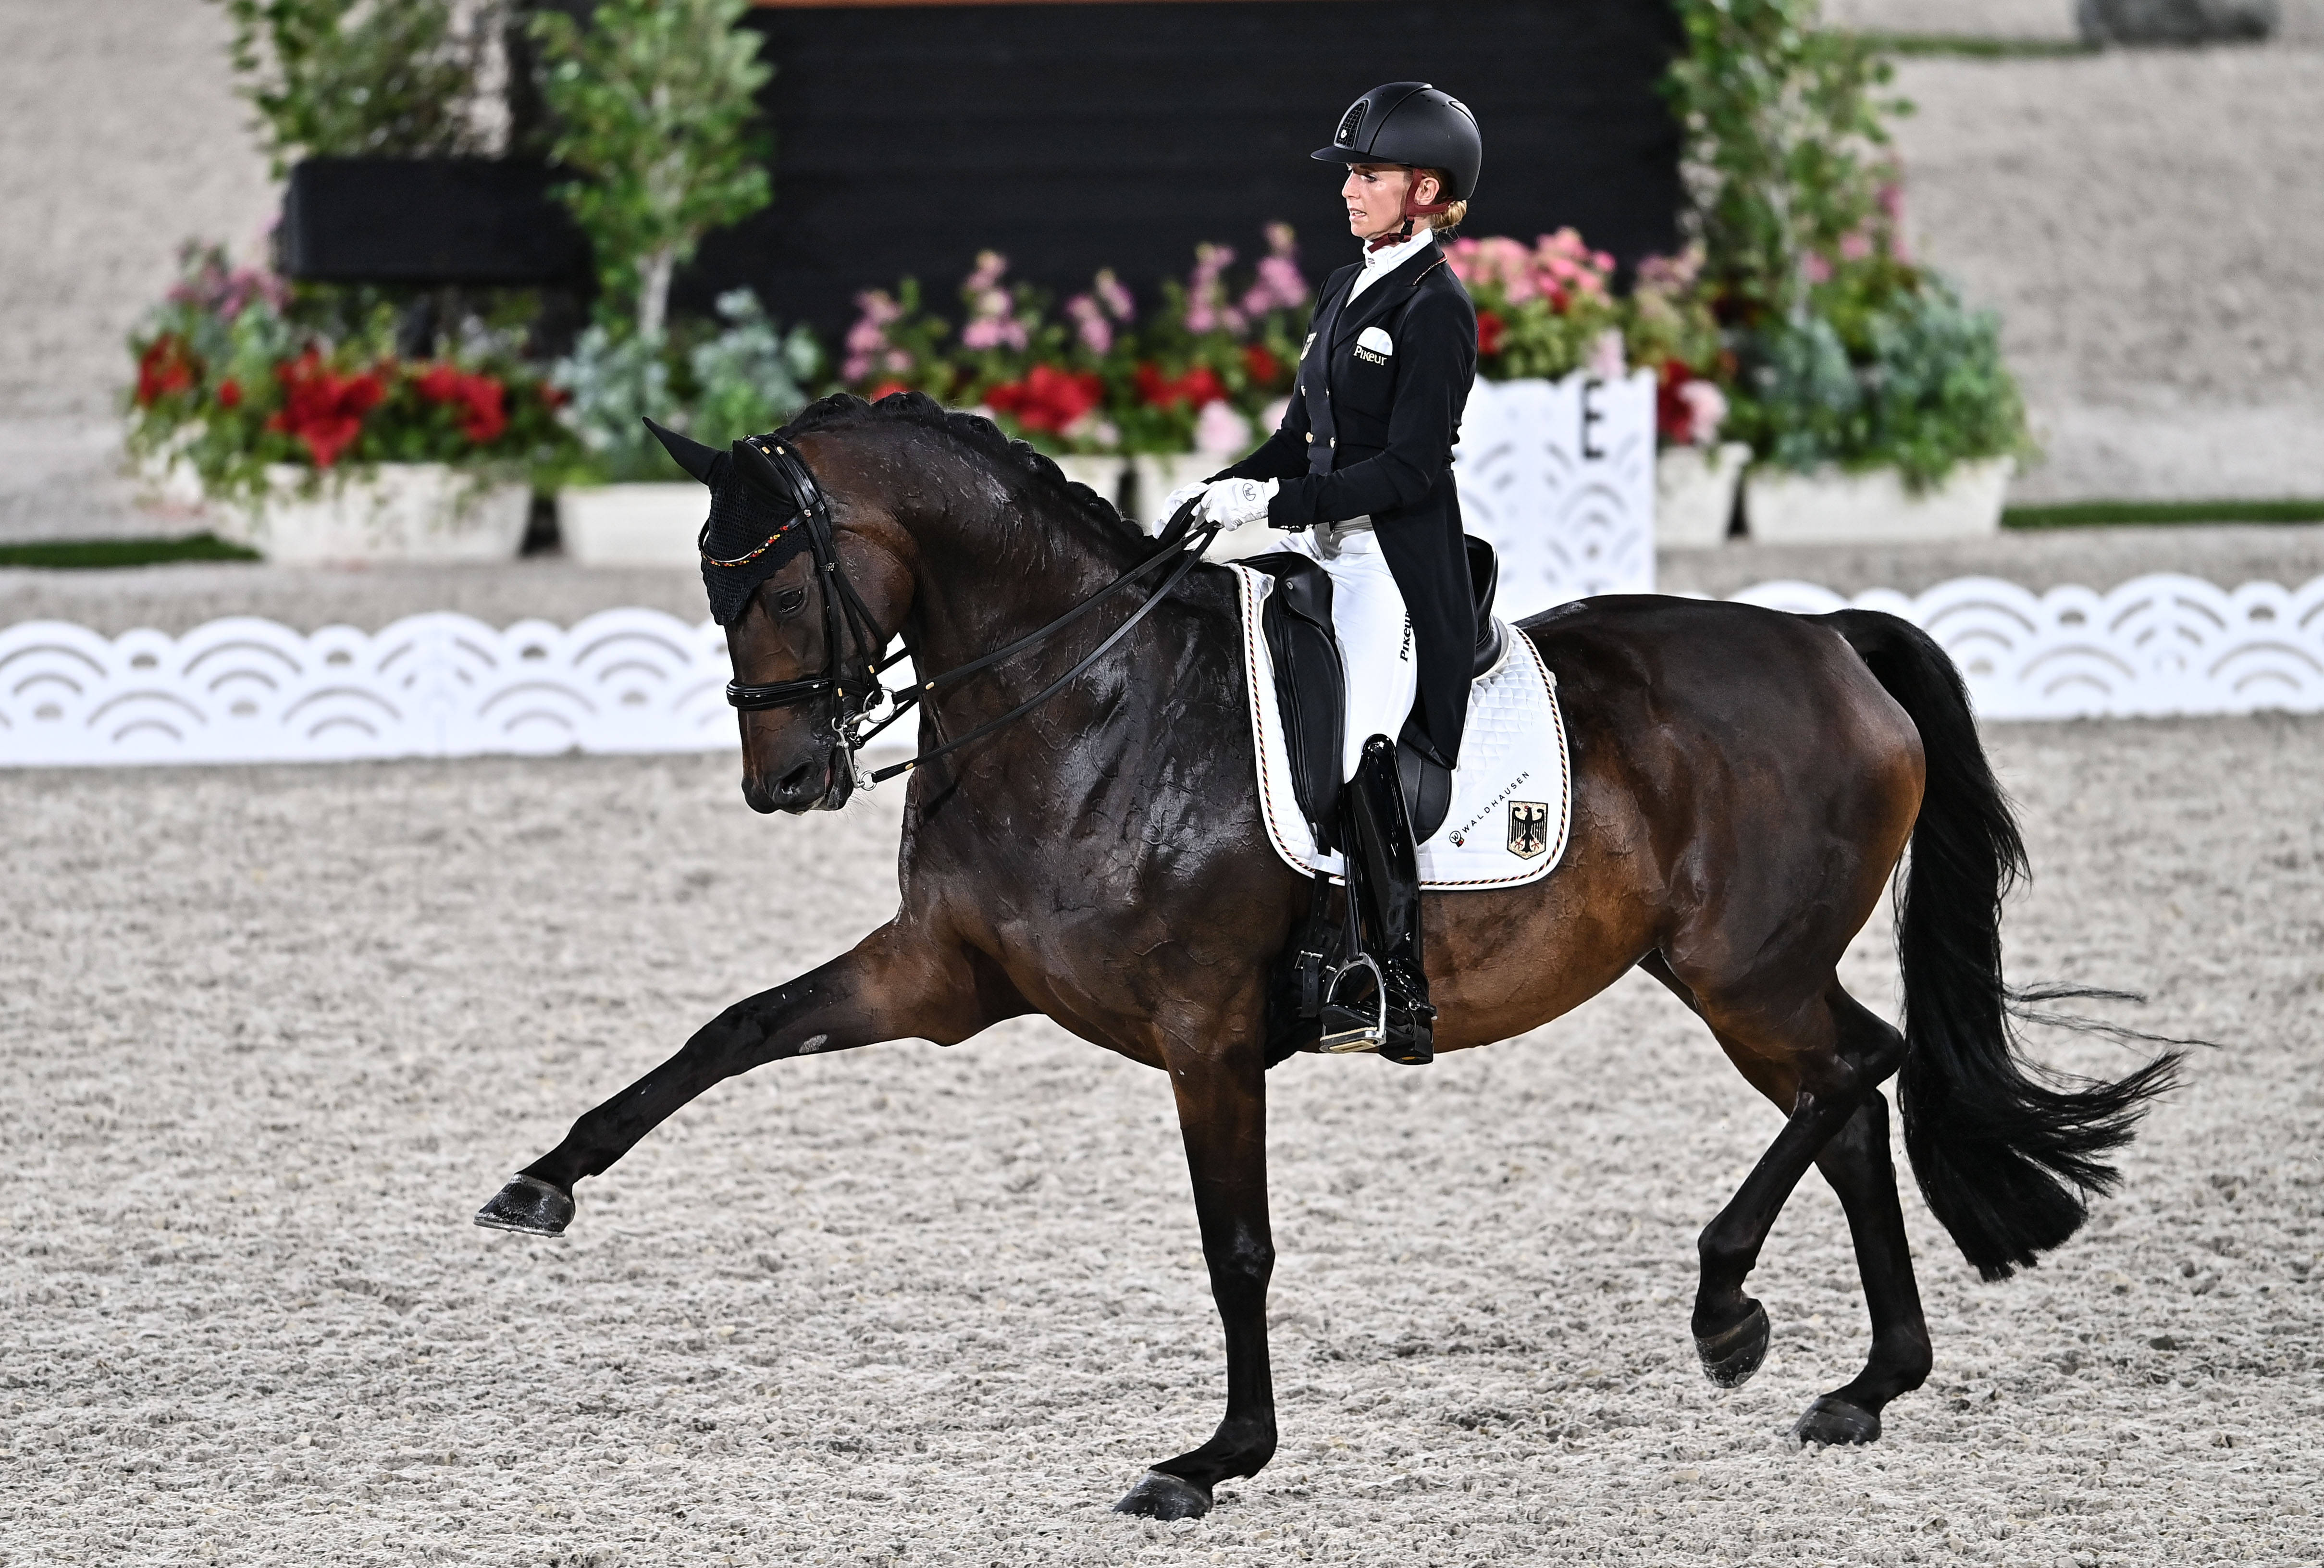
(755, 525)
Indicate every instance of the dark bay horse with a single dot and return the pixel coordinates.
(1745, 785)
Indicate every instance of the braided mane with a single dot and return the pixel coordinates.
(843, 410)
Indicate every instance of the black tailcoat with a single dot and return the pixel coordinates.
(1372, 434)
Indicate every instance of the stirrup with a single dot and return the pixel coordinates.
(1345, 1031)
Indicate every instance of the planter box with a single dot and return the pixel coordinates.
(1694, 493)
(632, 525)
(400, 511)
(1830, 507)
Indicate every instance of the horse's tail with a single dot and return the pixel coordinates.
(2005, 1151)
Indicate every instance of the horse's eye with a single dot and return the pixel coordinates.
(787, 602)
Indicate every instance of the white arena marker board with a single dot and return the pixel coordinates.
(1560, 476)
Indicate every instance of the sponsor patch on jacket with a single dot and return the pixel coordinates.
(1373, 347)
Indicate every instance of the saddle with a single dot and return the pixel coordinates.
(1311, 687)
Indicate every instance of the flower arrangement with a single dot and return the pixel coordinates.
(1552, 310)
(1096, 375)
(237, 371)
(1842, 351)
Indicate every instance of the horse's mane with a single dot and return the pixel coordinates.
(979, 435)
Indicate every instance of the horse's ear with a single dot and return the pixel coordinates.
(758, 471)
(691, 456)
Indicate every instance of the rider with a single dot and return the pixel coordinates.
(1362, 472)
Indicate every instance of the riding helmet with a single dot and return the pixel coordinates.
(1414, 124)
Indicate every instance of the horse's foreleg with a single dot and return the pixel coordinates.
(1222, 1114)
(892, 986)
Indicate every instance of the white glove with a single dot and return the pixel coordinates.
(1231, 503)
(1179, 497)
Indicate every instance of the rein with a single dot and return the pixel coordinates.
(847, 618)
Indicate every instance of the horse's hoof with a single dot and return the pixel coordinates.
(528, 1204)
(1730, 1356)
(1835, 1420)
(1164, 1497)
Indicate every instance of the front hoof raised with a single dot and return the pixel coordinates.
(1732, 1355)
(1832, 1420)
(1164, 1497)
(528, 1204)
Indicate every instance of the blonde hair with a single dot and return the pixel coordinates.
(1454, 213)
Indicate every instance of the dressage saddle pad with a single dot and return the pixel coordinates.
(1512, 795)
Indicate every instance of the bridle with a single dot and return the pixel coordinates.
(848, 626)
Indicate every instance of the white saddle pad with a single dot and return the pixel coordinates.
(1512, 795)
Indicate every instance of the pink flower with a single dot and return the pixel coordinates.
(1219, 431)
(1607, 361)
(867, 340)
(1855, 248)
(1206, 307)
(1279, 285)
(1706, 407)
(993, 322)
(1113, 296)
(1815, 268)
(1089, 324)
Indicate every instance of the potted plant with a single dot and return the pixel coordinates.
(1876, 404)
(310, 439)
(655, 107)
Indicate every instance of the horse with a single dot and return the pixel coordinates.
(1746, 783)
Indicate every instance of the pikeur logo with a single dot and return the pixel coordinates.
(1404, 654)
(1369, 357)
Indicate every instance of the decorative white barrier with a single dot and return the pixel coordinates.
(245, 690)
(2156, 646)
(1560, 476)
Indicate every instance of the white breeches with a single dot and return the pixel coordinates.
(1375, 634)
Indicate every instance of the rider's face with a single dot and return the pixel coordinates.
(1374, 193)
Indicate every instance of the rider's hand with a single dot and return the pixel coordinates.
(1231, 503)
(1180, 496)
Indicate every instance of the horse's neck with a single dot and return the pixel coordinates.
(990, 574)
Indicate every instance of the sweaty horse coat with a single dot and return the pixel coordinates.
(1372, 434)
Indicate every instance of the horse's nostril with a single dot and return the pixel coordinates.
(794, 780)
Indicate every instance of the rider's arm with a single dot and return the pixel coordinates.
(1437, 361)
(1283, 455)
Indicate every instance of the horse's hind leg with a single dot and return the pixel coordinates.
(1820, 1061)
(894, 984)
(1856, 1163)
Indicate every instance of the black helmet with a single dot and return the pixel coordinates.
(1414, 125)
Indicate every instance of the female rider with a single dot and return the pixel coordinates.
(1361, 473)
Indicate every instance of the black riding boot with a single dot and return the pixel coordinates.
(1384, 904)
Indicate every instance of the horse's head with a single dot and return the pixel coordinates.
(807, 601)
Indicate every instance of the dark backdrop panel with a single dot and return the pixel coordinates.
(1076, 136)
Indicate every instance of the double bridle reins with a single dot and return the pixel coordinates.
(848, 623)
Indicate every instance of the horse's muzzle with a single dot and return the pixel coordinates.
(821, 782)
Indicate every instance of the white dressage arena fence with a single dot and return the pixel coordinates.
(245, 690)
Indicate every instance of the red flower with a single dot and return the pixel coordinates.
(483, 399)
(1197, 388)
(552, 395)
(229, 393)
(168, 366)
(322, 408)
(1673, 416)
(1490, 329)
(1048, 399)
(1262, 366)
(886, 389)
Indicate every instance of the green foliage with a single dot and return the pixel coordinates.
(751, 376)
(1895, 371)
(344, 78)
(653, 100)
(1785, 142)
(744, 380)
(110, 554)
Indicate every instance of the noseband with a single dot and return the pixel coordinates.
(848, 623)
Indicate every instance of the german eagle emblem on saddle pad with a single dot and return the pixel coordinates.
(1511, 796)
